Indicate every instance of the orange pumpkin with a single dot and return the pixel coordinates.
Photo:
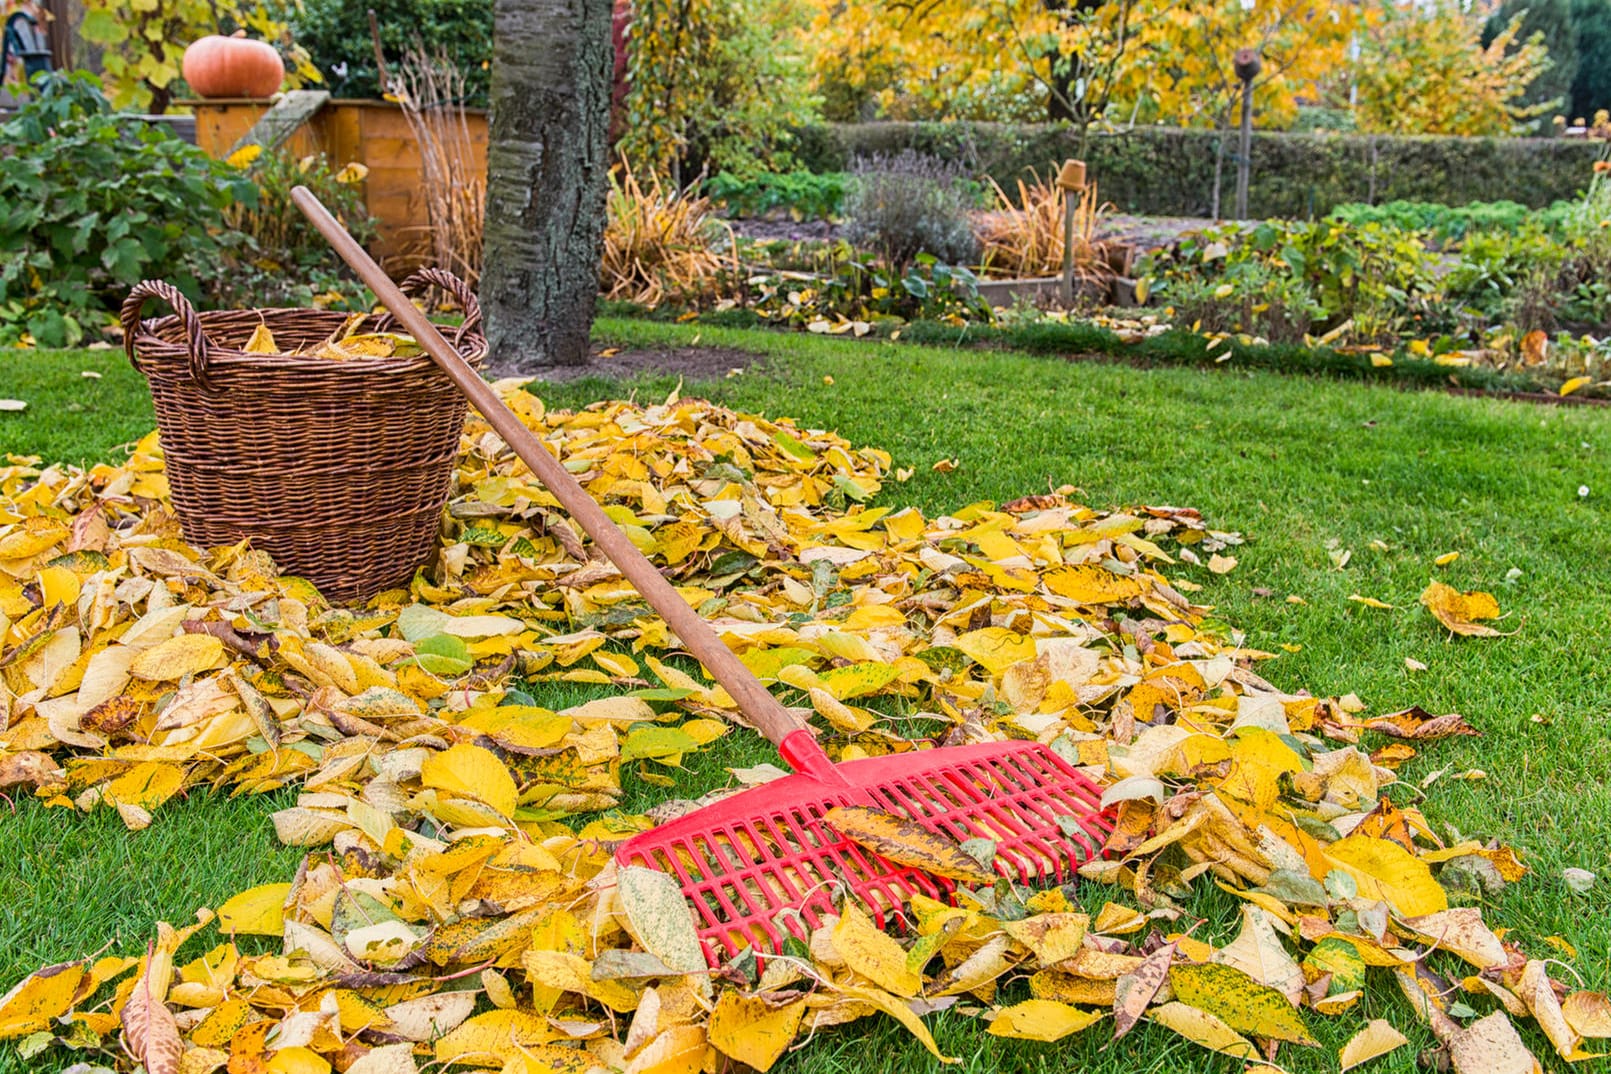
(232, 67)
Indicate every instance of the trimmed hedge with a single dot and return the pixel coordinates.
(1165, 171)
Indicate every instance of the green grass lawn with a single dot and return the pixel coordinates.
(1304, 467)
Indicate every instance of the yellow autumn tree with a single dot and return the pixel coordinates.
(1183, 72)
(963, 59)
(1422, 70)
(1411, 65)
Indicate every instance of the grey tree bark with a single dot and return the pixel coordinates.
(547, 173)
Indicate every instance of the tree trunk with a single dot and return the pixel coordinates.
(547, 172)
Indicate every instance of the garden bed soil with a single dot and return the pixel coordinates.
(624, 363)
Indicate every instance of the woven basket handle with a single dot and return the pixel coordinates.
(461, 292)
(167, 292)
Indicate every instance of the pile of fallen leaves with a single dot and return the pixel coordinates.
(464, 906)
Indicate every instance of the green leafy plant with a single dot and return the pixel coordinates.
(801, 194)
(282, 260)
(1250, 298)
(90, 204)
(857, 291)
(1372, 267)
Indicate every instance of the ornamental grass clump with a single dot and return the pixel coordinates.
(663, 243)
(1023, 236)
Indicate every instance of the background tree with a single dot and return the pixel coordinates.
(547, 172)
(1591, 89)
(1420, 67)
(1424, 70)
(1554, 23)
(712, 84)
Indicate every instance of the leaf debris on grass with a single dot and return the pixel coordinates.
(465, 850)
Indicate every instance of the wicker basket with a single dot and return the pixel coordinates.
(337, 469)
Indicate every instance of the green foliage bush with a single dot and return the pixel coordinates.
(1372, 273)
(853, 291)
(90, 204)
(336, 33)
(1162, 171)
(804, 194)
(284, 261)
(1446, 224)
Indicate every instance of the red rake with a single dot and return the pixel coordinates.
(762, 865)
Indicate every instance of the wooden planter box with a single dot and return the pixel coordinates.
(372, 133)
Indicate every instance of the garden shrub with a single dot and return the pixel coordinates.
(854, 294)
(803, 194)
(284, 261)
(1250, 298)
(90, 204)
(908, 204)
(1373, 273)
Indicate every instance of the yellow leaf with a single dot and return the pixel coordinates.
(1203, 1029)
(1462, 931)
(1574, 384)
(1489, 1045)
(679, 1049)
(1588, 1013)
(907, 842)
(1459, 611)
(256, 911)
(297, 1060)
(471, 772)
(1446, 559)
(39, 998)
(660, 918)
(898, 1010)
(1370, 602)
(493, 1037)
(261, 341)
(996, 648)
(1376, 1039)
(1258, 952)
(187, 654)
(1221, 564)
(1242, 1003)
(145, 786)
(244, 155)
(1051, 938)
(1537, 991)
(1384, 870)
(1089, 584)
(872, 954)
(755, 1029)
(1042, 1019)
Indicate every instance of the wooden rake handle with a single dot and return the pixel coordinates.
(793, 739)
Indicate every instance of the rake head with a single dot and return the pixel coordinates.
(762, 865)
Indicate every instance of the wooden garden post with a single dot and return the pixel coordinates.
(1071, 180)
(1247, 66)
